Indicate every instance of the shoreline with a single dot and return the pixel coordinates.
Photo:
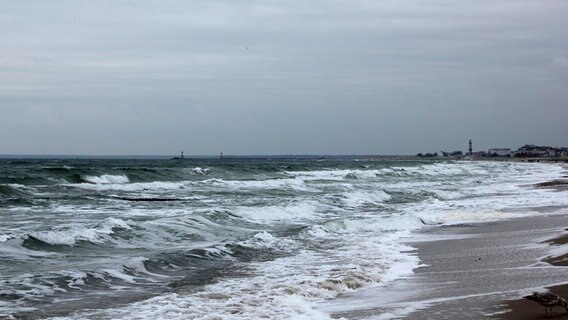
(469, 272)
(474, 271)
(523, 309)
(508, 260)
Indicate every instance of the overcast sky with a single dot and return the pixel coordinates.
(281, 77)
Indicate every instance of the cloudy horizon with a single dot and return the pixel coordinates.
(281, 77)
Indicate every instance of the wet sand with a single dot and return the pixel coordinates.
(476, 271)
(523, 309)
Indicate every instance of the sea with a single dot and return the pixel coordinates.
(243, 238)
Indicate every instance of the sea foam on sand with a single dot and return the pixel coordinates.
(467, 272)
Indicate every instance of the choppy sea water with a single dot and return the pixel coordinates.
(231, 238)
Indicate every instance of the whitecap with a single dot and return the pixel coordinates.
(286, 212)
(362, 197)
(69, 235)
(265, 240)
(5, 237)
(201, 171)
(107, 179)
(134, 187)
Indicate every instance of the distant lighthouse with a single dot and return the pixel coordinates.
(470, 148)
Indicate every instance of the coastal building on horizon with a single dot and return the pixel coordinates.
(500, 152)
(527, 151)
(534, 151)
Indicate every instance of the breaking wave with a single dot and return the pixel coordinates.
(71, 235)
(234, 239)
(106, 179)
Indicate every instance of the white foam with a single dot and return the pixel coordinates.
(373, 225)
(137, 264)
(284, 183)
(358, 198)
(293, 212)
(69, 235)
(119, 274)
(77, 278)
(334, 174)
(28, 286)
(296, 184)
(353, 237)
(20, 187)
(107, 179)
(201, 171)
(133, 187)
(13, 250)
(291, 287)
(265, 240)
(5, 237)
(449, 217)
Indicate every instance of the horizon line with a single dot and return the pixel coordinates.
(169, 156)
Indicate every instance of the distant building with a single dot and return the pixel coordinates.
(526, 151)
(500, 152)
(479, 154)
(533, 151)
(452, 154)
(427, 155)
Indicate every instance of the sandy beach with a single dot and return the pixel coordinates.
(527, 310)
(523, 309)
(473, 271)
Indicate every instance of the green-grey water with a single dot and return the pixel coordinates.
(233, 238)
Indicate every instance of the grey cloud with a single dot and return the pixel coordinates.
(280, 76)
